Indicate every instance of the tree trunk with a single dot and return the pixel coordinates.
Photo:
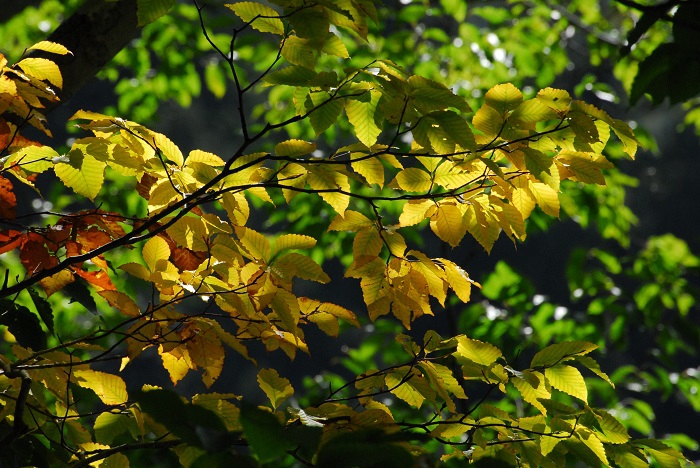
(94, 34)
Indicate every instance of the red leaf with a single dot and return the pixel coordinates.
(144, 185)
(10, 240)
(186, 259)
(8, 200)
(35, 257)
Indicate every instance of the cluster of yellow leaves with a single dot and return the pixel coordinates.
(24, 88)
(480, 176)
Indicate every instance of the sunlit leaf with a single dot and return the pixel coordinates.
(567, 379)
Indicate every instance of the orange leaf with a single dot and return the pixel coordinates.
(35, 257)
(8, 201)
(97, 278)
(10, 240)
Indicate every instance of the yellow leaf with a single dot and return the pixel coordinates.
(293, 241)
(294, 148)
(567, 379)
(590, 440)
(542, 167)
(278, 389)
(260, 17)
(190, 232)
(362, 114)
(155, 252)
(413, 390)
(504, 98)
(205, 350)
(533, 110)
(177, 366)
(298, 51)
(137, 270)
(203, 157)
(546, 198)
(329, 182)
(522, 198)
(42, 69)
(531, 394)
(414, 180)
(84, 174)
(367, 242)
(448, 224)
(350, 221)
(613, 432)
(482, 223)
(371, 169)
(121, 302)
(458, 280)
(110, 388)
(510, 219)
(415, 211)
(555, 99)
(294, 264)
(51, 47)
(476, 351)
(236, 207)
(168, 149)
(396, 243)
(255, 243)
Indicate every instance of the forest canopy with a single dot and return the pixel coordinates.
(283, 232)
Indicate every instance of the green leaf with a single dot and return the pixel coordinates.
(23, 325)
(43, 307)
(326, 111)
(150, 10)
(362, 114)
(671, 71)
(292, 75)
(364, 448)
(260, 17)
(264, 433)
(561, 352)
(542, 167)
(431, 96)
(192, 423)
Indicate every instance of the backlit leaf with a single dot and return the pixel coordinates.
(278, 389)
(110, 388)
(567, 379)
(350, 221)
(51, 47)
(414, 180)
(448, 224)
(504, 98)
(42, 69)
(561, 352)
(150, 10)
(294, 148)
(84, 174)
(476, 351)
(260, 17)
(154, 252)
(362, 114)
